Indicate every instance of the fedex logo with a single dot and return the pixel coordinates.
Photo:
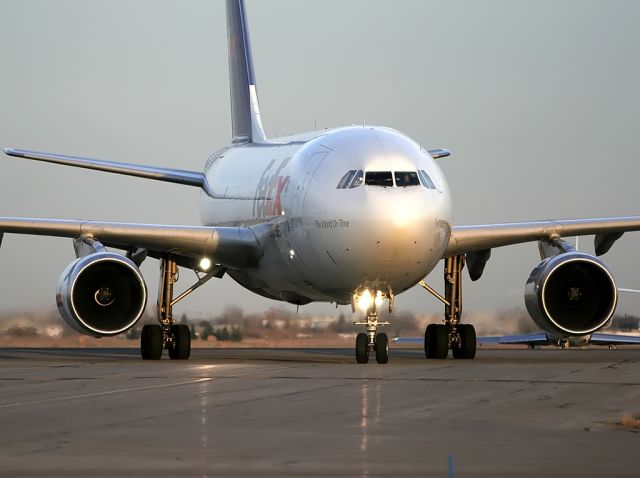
(268, 197)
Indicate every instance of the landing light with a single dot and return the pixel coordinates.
(366, 299)
(205, 264)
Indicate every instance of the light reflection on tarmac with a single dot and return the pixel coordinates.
(290, 412)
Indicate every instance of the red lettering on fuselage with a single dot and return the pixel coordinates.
(268, 197)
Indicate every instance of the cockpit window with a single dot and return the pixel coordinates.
(346, 179)
(406, 178)
(351, 180)
(426, 180)
(378, 178)
(357, 180)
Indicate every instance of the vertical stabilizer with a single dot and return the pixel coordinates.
(245, 112)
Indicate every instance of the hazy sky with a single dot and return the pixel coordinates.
(538, 100)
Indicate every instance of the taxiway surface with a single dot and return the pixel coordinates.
(239, 412)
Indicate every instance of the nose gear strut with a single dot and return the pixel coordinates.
(372, 341)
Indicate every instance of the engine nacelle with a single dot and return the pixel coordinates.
(101, 294)
(571, 294)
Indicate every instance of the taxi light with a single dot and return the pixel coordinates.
(205, 264)
(379, 298)
(366, 299)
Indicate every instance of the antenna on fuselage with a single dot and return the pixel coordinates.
(245, 111)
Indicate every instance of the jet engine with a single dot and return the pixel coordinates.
(571, 294)
(101, 294)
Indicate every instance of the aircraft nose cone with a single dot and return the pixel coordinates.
(400, 237)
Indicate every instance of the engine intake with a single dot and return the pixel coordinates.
(571, 294)
(101, 294)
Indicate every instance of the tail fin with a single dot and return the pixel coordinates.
(245, 112)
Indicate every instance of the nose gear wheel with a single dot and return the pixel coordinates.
(372, 341)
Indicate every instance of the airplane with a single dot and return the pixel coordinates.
(352, 215)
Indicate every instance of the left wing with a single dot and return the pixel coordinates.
(233, 247)
(541, 338)
(538, 338)
(466, 239)
(614, 339)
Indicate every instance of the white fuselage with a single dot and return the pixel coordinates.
(323, 242)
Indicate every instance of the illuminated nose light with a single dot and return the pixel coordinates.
(205, 264)
(379, 298)
(366, 299)
(292, 254)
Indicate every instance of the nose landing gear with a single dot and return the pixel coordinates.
(372, 341)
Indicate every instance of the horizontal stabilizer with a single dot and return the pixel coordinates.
(179, 176)
(439, 153)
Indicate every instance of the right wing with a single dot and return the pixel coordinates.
(232, 247)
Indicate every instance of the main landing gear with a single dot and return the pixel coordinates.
(372, 341)
(176, 338)
(460, 338)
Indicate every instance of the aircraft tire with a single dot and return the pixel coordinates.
(436, 341)
(181, 349)
(151, 342)
(362, 348)
(467, 349)
(382, 348)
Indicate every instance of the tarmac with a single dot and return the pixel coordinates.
(305, 412)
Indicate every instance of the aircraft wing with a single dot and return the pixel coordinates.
(614, 339)
(466, 239)
(233, 247)
(524, 339)
(539, 338)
